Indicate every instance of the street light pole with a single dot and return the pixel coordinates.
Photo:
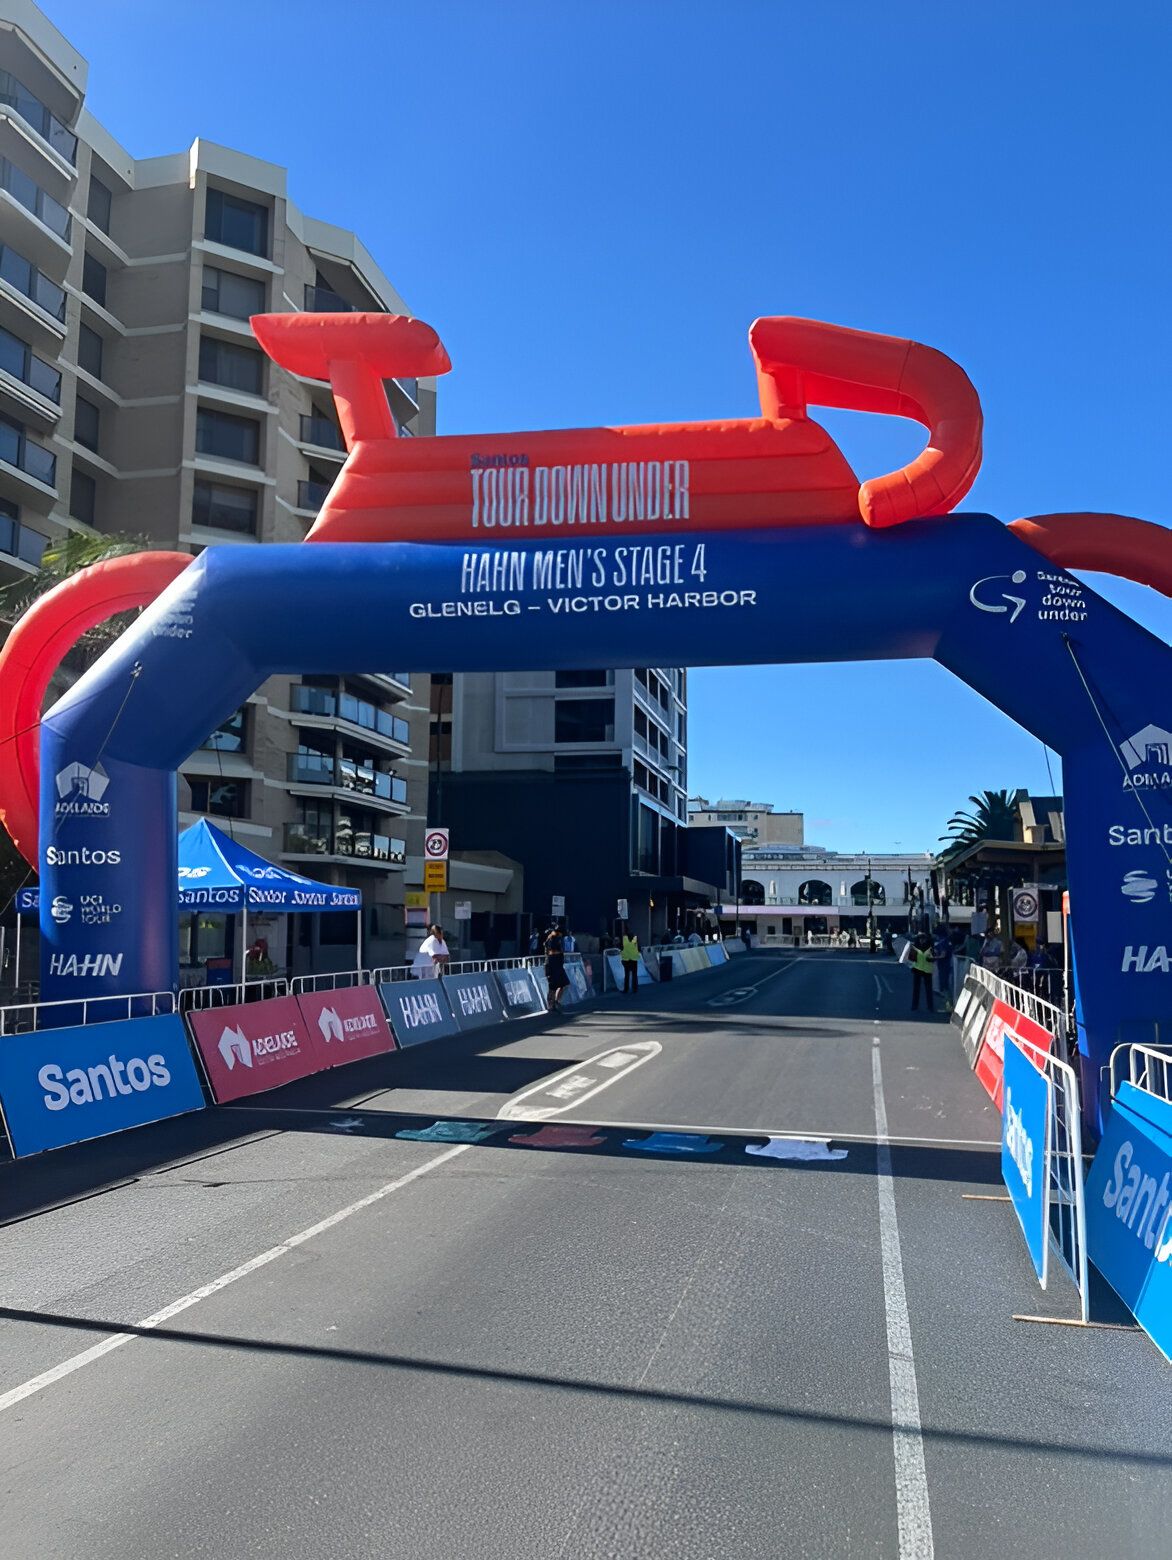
(870, 907)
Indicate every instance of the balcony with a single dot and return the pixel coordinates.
(21, 542)
(320, 300)
(29, 194)
(323, 433)
(23, 275)
(344, 706)
(348, 774)
(19, 360)
(312, 495)
(30, 108)
(20, 453)
(304, 840)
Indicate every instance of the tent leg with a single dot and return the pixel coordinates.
(358, 918)
(16, 980)
(244, 947)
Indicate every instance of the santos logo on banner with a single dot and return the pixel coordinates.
(1025, 1150)
(89, 1081)
(1129, 1209)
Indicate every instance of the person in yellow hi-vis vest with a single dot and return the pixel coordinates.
(630, 958)
(921, 958)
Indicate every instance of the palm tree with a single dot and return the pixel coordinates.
(994, 817)
(63, 557)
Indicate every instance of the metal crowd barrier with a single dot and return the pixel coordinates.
(197, 999)
(22, 1018)
(1149, 1067)
(1068, 1218)
(1045, 1013)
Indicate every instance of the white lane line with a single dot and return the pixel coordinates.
(580, 1082)
(116, 1340)
(913, 1512)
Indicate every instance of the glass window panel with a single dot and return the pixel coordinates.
(93, 279)
(227, 437)
(86, 423)
(241, 224)
(89, 350)
(16, 269)
(83, 497)
(99, 205)
(225, 507)
(225, 363)
(224, 292)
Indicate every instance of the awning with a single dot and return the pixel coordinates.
(218, 873)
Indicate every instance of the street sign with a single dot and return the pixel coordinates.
(415, 899)
(559, 905)
(435, 845)
(463, 909)
(1025, 903)
(623, 913)
(435, 876)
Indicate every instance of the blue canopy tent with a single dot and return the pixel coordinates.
(218, 873)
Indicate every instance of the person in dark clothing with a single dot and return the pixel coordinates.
(555, 969)
(921, 959)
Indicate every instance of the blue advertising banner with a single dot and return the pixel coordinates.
(1025, 1150)
(518, 993)
(63, 1086)
(474, 1000)
(1129, 1210)
(418, 1010)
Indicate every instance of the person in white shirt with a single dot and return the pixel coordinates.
(436, 949)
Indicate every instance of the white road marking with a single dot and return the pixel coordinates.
(743, 993)
(579, 1083)
(67, 1367)
(913, 1512)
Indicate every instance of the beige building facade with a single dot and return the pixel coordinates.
(134, 400)
(755, 823)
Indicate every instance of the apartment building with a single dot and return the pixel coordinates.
(134, 399)
(755, 823)
(582, 777)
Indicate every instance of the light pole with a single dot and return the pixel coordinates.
(870, 907)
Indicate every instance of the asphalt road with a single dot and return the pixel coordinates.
(546, 1340)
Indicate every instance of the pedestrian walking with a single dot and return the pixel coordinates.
(921, 959)
(630, 957)
(555, 969)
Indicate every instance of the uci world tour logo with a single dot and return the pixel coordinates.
(80, 791)
(1148, 757)
(1139, 887)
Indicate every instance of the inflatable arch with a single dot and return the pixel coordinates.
(721, 543)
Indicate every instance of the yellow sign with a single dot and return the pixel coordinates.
(414, 899)
(435, 876)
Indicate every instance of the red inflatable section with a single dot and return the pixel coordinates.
(34, 650)
(778, 469)
(1103, 543)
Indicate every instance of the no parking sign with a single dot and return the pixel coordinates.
(435, 845)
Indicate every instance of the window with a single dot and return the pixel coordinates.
(93, 279)
(224, 507)
(752, 892)
(86, 423)
(83, 497)
(241, 224)
(224, 363)
(98, 205)
(229, 735)
(18, 359)
(227, 437)
(814, 892)
(89, 351)
(584, 680)
(584, 720)
(236, 296)
(221, 798)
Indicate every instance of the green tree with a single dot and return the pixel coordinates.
(994, 817)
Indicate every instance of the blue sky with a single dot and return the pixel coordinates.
(591, 200)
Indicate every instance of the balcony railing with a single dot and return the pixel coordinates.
(320, 300)
(18, 359)
(18, 450)
(351, 774)
(24, 276)
(34, 112)
(303, 839)
(322, 432)
(19, 541)
(33, 198)
(312, 495)
(344, 706)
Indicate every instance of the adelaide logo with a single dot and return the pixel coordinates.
(1148, 756)
(80, 791)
